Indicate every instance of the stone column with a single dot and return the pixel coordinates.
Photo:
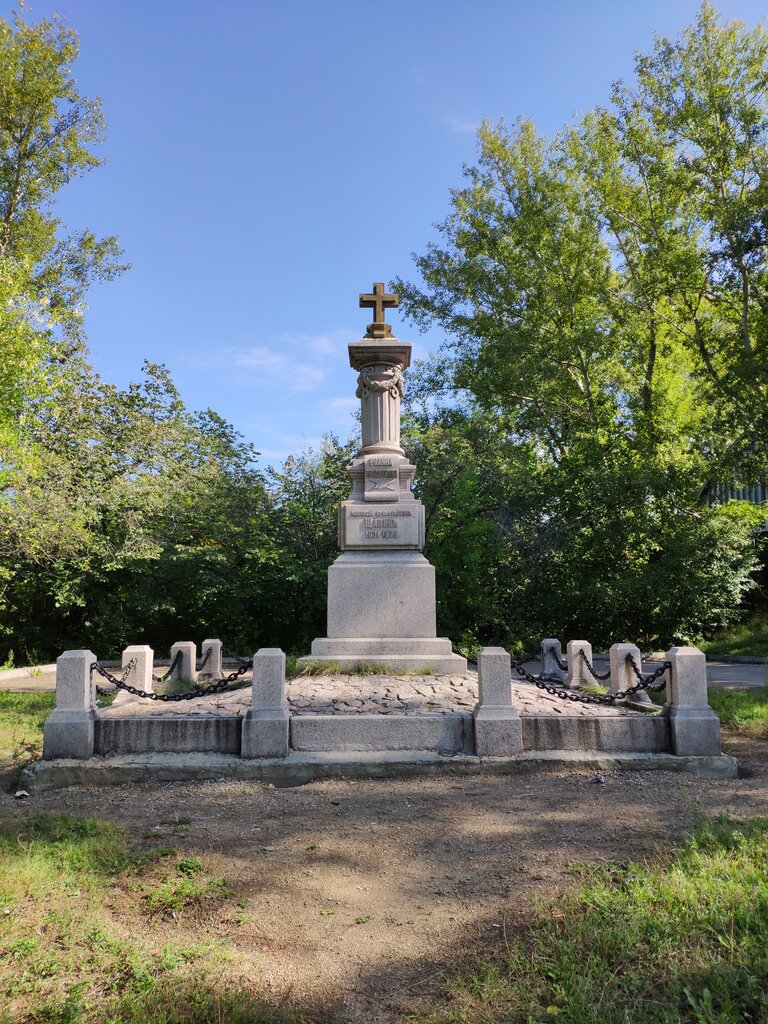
(265, 727)
(187, 668)
(622, 677)
(578, 673)
(498, 729)
(380, 388)
(69, 731)
(141, 673)
(213, 666)
(694, 727)
(551, 654)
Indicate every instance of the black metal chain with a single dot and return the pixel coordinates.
(206, 659)
(645, 683)
(164, 678)
(126, 672)
(234, 657)
(221, 686)
(562, 665)
(600, 676)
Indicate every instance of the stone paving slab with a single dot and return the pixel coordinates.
(374, 695)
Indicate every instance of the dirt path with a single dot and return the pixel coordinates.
(361, 895)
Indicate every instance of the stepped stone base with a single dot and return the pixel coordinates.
(399, 654)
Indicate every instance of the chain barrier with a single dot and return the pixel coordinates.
(644, 683)
(562, 665)
(164, 678)
(121, 682)
(234, 657)
(221, 686)
(206, 659)
(600, 676)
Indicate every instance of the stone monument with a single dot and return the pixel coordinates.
(381, 588)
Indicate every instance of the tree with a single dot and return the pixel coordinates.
(603, 294)
(47, 133)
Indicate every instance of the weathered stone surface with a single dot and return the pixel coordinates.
(265, 733)
(213, 667)
(623, 676)
(381, 594)
(140, 676)
(167, 734)
(302, 767)
(265, 727)
(445, 733)
(498, 732)
(551, 657)
(578, 673)
(69, 732)
(694, 726)
(367, 527)
(638, 732)
(187, 668)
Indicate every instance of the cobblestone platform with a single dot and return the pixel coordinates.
(374, 695)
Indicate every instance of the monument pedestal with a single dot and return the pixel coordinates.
(381, 589)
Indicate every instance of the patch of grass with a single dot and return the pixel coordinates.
(685, 942)
(743, 710)
(749, 637)
(21, 728)
(174, 895)
(71, 951)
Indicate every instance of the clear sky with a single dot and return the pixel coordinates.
(267, 161)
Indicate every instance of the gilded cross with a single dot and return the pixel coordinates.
(378, 301)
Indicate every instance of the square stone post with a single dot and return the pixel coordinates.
(622, 677)
(187, 668)
(498, 729)
(693, 725)
(141, 673)
(578, 673)
(213, 665)
(68, 732)
(265, 727)
(551, 656)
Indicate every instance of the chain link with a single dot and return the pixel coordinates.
(221, 686)
(118, 682)
(645, 683)
(164, 678)
(234, 657)
(206, 659)
(600, 676)
(562, 665)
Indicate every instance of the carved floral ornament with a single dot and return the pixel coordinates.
(393, 382)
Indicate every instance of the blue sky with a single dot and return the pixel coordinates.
(267, 161)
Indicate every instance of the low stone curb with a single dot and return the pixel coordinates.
(300, 768)
(738, 659)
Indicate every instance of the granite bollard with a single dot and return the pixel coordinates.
(551, 660)
(623, 677)
(265, 727)
(578, 673)
(694, 727)
(212, 667)
(498, 729)
(187, 667)
(140, 676)
(69, 731)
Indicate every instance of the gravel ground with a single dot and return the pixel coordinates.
(362, 895)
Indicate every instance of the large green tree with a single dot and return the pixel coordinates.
(48, 132)
(604, 297)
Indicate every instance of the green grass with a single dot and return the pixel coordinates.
(358, 668)
(81, 917)
(750, 637)
(746, 711)
(21, 729)
(685, 942)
